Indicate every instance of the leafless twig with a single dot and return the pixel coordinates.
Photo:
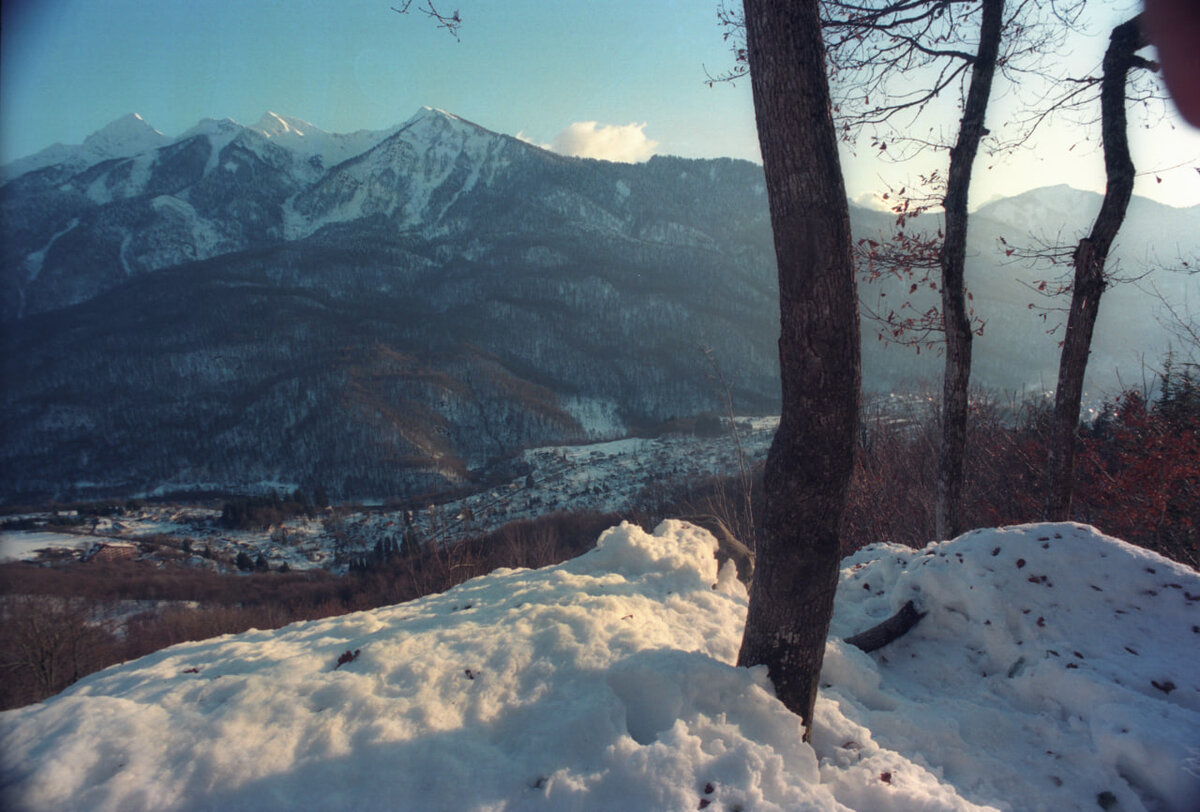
(450, 22)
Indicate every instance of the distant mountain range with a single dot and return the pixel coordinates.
(393, 312)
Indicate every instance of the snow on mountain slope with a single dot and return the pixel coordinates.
(131, 180)
(219, 132)
(1133, 329)
(53, 155)
(129, 135)
(1055, 670)
(1152, 232)
(310, 141)
(1049, 207)
(411, 177)
(33, 262)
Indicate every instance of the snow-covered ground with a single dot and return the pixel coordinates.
(1056, 669)
(26, 546)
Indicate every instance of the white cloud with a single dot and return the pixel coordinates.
(872, 200)
(521, 136)
(609, 142)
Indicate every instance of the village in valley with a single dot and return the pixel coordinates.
(621, 477)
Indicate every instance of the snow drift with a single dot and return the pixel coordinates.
(1055, 669)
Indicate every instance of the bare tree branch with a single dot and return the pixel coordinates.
(450, 22)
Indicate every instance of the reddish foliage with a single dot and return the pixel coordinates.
(912, 259)
(1138, 476)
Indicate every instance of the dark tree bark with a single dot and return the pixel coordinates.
(889, 630)
(1089, 260)
(810, 461)
(948, 516)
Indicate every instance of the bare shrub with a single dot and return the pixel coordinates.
(1138, 472)
(895, 477)
(46, 643)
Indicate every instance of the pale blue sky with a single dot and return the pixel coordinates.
(71, 66)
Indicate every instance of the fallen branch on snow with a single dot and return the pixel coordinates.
(887, 631)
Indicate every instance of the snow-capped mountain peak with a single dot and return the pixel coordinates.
(211, 127)
(310, 141)
(273, 125)
(427, 110)
(127, 136)
(1033, 211)
(427, 117)
(435, 157)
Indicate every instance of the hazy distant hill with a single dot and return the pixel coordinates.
(1020, 344)
(388, 312)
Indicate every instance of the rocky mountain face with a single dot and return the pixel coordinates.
(228, 309)
(392, 313)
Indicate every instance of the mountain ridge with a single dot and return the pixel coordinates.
(231, 308)
(398, 322)
(273, 124)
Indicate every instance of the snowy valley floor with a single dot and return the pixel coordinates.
(1056, 669)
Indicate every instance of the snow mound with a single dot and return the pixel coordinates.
(1057, 668)
(608, 683)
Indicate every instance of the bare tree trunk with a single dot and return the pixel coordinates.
(1089, 260)
(952, 451)
(808, 468)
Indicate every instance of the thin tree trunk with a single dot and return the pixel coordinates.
(1090, 257)
(811, 458)
(948, 515)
